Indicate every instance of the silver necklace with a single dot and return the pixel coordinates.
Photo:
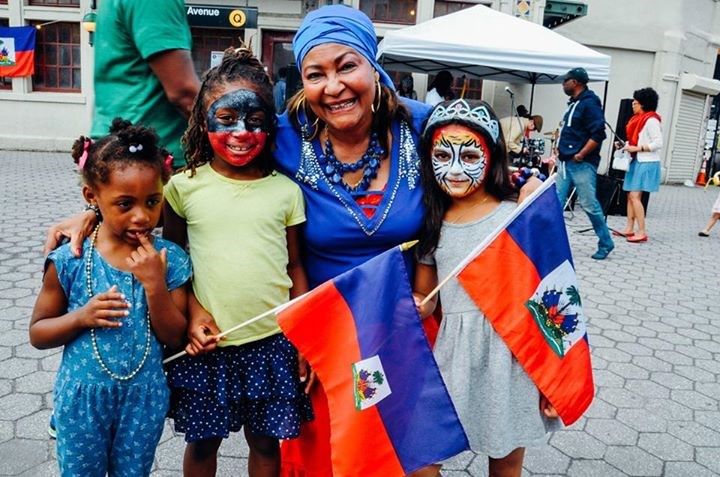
(96, 349)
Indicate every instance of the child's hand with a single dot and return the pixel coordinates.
(147, 264)
(307, 375)
(530, 186)
(202, 331)
(104, 310)
(424, 310)
(547, 408)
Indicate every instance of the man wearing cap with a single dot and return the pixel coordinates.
(578, 151)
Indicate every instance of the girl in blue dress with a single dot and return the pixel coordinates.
(113, 310)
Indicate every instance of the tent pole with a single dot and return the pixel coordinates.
(605, 96)
(532, 96)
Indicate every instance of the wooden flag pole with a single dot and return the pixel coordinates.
(403, 247)
(483, 245)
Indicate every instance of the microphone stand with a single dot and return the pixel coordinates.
(514, 114)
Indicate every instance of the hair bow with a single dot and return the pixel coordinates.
(83, 158)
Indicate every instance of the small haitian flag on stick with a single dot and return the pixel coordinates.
(390, 413)
(523, 280)
(17, 51)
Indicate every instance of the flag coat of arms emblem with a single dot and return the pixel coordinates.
(390, 413)
(523, 280)
(17, 51)
(371, 385)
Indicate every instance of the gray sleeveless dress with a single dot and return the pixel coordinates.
(497, 402)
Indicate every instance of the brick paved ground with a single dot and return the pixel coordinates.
(653, 322)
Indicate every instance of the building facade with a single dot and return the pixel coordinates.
(670, 45)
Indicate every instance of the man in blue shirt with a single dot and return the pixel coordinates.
(582, 133)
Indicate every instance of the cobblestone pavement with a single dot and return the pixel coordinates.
(654, 329)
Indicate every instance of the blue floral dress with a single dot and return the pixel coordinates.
(105, 425)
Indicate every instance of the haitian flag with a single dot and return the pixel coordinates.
(390, 413)
(523, 280)
(17, 51)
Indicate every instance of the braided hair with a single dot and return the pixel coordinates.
(125, 144)
(237, 65)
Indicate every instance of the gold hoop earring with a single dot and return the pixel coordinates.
(374, 108)
(304, 127)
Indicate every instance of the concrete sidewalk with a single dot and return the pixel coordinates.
(654, 329)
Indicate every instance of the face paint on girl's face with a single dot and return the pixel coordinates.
(238, 125)
(460, 159)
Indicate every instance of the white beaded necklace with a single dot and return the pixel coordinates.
(96, 349)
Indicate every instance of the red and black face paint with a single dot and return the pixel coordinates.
(238, 126)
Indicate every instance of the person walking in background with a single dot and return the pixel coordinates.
(713, 218)
(440, 89)
(644, 140)
(578, 153)
(143, 69)
(407, 87)
(279, 90)
(113, 310)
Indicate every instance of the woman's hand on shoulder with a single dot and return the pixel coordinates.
(76, 228)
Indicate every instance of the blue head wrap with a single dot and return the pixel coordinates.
(343, 25)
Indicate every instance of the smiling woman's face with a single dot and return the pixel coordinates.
(339, 85)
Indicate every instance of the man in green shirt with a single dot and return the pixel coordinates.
(143, 69)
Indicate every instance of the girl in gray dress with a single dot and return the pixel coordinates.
(465, 175)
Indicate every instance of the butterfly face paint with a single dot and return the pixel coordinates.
(460, 159)
(238, 125)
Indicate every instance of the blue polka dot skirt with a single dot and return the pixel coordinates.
(254, 385)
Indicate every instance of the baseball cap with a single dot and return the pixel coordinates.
(578, 74)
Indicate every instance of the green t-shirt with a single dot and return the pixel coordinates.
(128, 33)
(238, 244)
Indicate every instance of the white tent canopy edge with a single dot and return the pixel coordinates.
(484, 43)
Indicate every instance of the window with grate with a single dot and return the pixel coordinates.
(390, 11)
(5, 82)
(443, 7)
(57, 58)
(207, 40)
(55, 3)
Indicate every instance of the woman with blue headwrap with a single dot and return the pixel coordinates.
(351, 144)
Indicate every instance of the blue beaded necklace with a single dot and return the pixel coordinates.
(369, 162)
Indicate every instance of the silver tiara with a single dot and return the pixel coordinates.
(459, 109)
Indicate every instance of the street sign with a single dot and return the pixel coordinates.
(214, 16)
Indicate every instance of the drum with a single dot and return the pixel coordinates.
(537, 147)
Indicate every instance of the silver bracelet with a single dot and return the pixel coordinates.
(95, 209)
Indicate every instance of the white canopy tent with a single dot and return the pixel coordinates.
(484, 43)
